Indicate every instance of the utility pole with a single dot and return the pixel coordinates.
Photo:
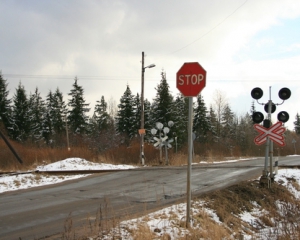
(142, 155)
(142, 129)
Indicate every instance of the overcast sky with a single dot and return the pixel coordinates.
(241, 44)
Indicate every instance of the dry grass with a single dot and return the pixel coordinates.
(122, 154)
(32, 156)
(282, 219)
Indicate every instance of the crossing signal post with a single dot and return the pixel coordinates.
(267, 131)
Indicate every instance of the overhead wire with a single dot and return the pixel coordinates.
(122, 78)
(202, 36)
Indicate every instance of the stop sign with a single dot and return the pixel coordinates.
(191, 79)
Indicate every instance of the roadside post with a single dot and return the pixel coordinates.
(190, 81)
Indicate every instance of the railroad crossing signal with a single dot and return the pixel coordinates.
(274, 133)
(267, 132)
(160, 141)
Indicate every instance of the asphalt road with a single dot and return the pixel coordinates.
(41, 212)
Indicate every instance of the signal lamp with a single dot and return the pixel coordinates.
(283, 116)
(273, 108)
(284, 93)
(257, 117)
(257, 93)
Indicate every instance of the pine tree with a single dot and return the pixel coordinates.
(201, 124)
(162, 103)
(297, 124)
(5, 109)
(20, 128)
(77, 118)
(36, 115)
(125, 119)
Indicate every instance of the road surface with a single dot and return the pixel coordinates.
(41, 212)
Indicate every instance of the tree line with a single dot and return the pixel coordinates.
(30, 119)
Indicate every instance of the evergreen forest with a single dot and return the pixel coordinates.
(42, 128)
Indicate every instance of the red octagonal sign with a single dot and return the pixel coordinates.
(191, 79)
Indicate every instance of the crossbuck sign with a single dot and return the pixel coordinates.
(274, 133)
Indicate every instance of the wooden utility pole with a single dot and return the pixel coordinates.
(142, 156)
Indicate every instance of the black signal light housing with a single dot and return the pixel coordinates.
(273, 108)
(257, 117)
(283, 116)
(257, 93)
(284, 93)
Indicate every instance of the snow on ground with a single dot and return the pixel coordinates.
(160, 219)
(155, 220)
(80, 164)
(23, 181)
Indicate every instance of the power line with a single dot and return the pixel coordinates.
(126, 78)
(211, 28)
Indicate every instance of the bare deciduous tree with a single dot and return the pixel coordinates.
(219, 104)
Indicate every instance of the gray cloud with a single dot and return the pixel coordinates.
(101, 42)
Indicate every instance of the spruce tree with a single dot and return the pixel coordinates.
(147, 116)
(213, 122)
(162, 103)
(101, 117)
(227, 122)
(101, 127)
(20, 128)
(55, 117)
(245, 135)
(36, 115)
(228, 127)
(297, 124)
(180, 119)
(48, 120)
(77, 118)
(138, 110)
(5, 108)
(201, 124)
(126, 115)
(59, 111)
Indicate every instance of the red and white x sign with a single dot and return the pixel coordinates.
(274, 133)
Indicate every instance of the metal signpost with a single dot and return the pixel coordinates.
(190, 80)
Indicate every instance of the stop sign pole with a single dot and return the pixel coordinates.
(190, 80)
